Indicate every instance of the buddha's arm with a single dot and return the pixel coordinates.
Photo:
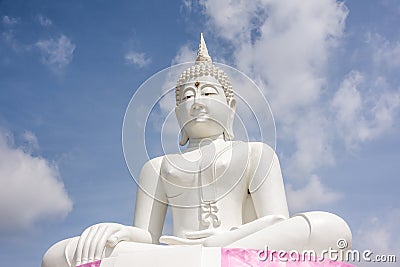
(149, 219)
(266, 185)
(151, 200)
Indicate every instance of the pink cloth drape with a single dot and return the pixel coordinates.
(237, 257)
(91, 264)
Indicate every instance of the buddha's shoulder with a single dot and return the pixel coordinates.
(261, 145)
(169, 160)
(154, 163)
(255, 147)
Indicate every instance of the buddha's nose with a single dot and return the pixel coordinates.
(198, 108)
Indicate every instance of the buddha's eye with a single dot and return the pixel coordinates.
(188, 94)
(209, 91)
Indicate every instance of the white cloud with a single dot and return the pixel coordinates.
(31, 141)
(291, 52)
(185, 54)
(312, 143)
(384, 51)
(138, 59)
(312, 196)
(233, 19)
(30, 187)
(364, 116)
(187, 4)
(56, 52)
(9, 33)
(10, 21)
(44, 21)
(379, 233)
(9, 38)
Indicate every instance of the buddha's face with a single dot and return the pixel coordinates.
(203, 110)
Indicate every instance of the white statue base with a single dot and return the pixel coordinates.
(167, 256)
(200, 256)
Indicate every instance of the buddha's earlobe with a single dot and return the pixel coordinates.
(184, 138)
(228, 136)
(228, 132)
(232, 104)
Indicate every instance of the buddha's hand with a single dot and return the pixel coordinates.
(94, 240)
(207, 237)
(201, 234)
(210, 237)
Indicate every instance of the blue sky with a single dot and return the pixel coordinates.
(68, 70)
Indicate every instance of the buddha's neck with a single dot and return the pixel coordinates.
(198, 142)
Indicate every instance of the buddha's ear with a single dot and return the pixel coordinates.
(184, 138)
(228, 133)
(232, 104)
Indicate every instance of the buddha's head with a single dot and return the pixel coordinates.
(205, 104)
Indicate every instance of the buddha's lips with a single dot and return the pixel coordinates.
(200, 116)
(198, 113)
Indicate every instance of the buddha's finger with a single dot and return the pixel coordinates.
(101, 245)
(174, 240)
(79, 247)
(94, 242)
(88, 243)
(118, 236)
(200, 234)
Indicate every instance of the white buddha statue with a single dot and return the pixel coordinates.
(222, 193)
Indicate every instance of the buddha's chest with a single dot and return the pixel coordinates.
(206, 175)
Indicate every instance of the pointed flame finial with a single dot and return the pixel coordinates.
(202, 53)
